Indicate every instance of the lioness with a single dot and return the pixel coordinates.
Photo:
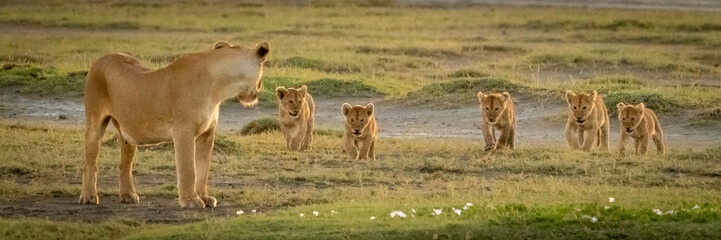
(295, 115)
(587, 121)
(498, 114)
(177, 103)
(361, 131)
(639, 123)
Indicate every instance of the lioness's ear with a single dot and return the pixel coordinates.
(569, 95)
(262, 50)
(594, 95)
(281, 92)
(481, 97)
(640, 107)
(346, 109)
(505, 96)
(222, 44)
(369, 109)
(303, 90)
(620, 106)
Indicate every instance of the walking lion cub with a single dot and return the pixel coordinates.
(498, 114)
(587, 122)
(640, 123)
(296, 111)
(361, 131)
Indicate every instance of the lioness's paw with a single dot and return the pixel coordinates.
(489, 147)
(194, 202)
(89, 199)
(209, 201)
(129, 198)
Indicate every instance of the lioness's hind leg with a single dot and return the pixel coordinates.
(94, 130)
(127, 155)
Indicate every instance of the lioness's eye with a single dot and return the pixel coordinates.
(291, 101)
(496, 109)
(487, 108)
(623, 118)
(633, 119)
(574, 108)
(584, 108)
(352, 120)
(361, 120)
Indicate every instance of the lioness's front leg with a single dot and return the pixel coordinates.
(184, 144)
(571, 136)
(488, 136)
(590, 137)
(203, 156)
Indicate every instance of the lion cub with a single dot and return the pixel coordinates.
(639, 123)
(361, 131)
(498, 114)
(587, 121)
(296, 111)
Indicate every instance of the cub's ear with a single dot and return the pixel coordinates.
(640, 107)
(594, 95)
(222, 44)
(346, 109)
(481, 97)
(281, 92)
(505, 97)
(620, 106)
(303, 90)
(262, 50)
(569, 96)
(369, 109)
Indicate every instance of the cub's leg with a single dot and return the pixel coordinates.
(203, 155)
(488, 136)
(184, 144)
(658, 140)
(605, 130)
(637, 142)
(571, 138)
(590, 137)
(296, 142)
(127, 155)
(364, 148)
(372, 150)
(350, 147)
(643, 144)
(512, 137)
(94, 130)
(504, 138)
(308, 139)
(622, 142)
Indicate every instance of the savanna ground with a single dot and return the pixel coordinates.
(422, 68)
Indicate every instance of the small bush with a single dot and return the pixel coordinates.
(462, 92)
(260, 125)
(36, 79)
(315, 64)
(337, 88)
(655, 101)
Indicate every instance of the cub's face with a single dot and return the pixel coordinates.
(630, 116)
(493, 105)
(245, 65)
(581, 105)
(357, 118)
(291, 99)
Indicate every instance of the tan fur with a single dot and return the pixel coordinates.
(642, 125)
(297, 128)
(498, 114)
(361, 131)
(177, 103)
(587, 121)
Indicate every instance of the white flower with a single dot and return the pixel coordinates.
(302, 215)
(398, 213)
(465, 207)
(457, 211)
(373, 218)
(239, 212)
(611, 199)
(412, 215)
(333, 212)
(493, 208)
(658, 212)
(413, 210)
(578, 209)
(606, 207)
(315, 213)
(695, 207)
(437, 211)
(594, 219)
(670, 212)
(469, 204)
(586, 216)
(253, 211)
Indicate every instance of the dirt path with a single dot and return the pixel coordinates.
(538, 124)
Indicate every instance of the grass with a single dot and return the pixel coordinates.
(533, 192)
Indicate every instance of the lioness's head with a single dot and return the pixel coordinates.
(630, 116)
(581, 105)
(244, 66)
(493, 105)
(291, 99)
(357, 117)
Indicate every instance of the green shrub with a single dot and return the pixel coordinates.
(260, 125)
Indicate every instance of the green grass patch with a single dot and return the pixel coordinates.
(462, 92)
(652, 99)
(315, 64)
(260, 125)
(36, 79)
